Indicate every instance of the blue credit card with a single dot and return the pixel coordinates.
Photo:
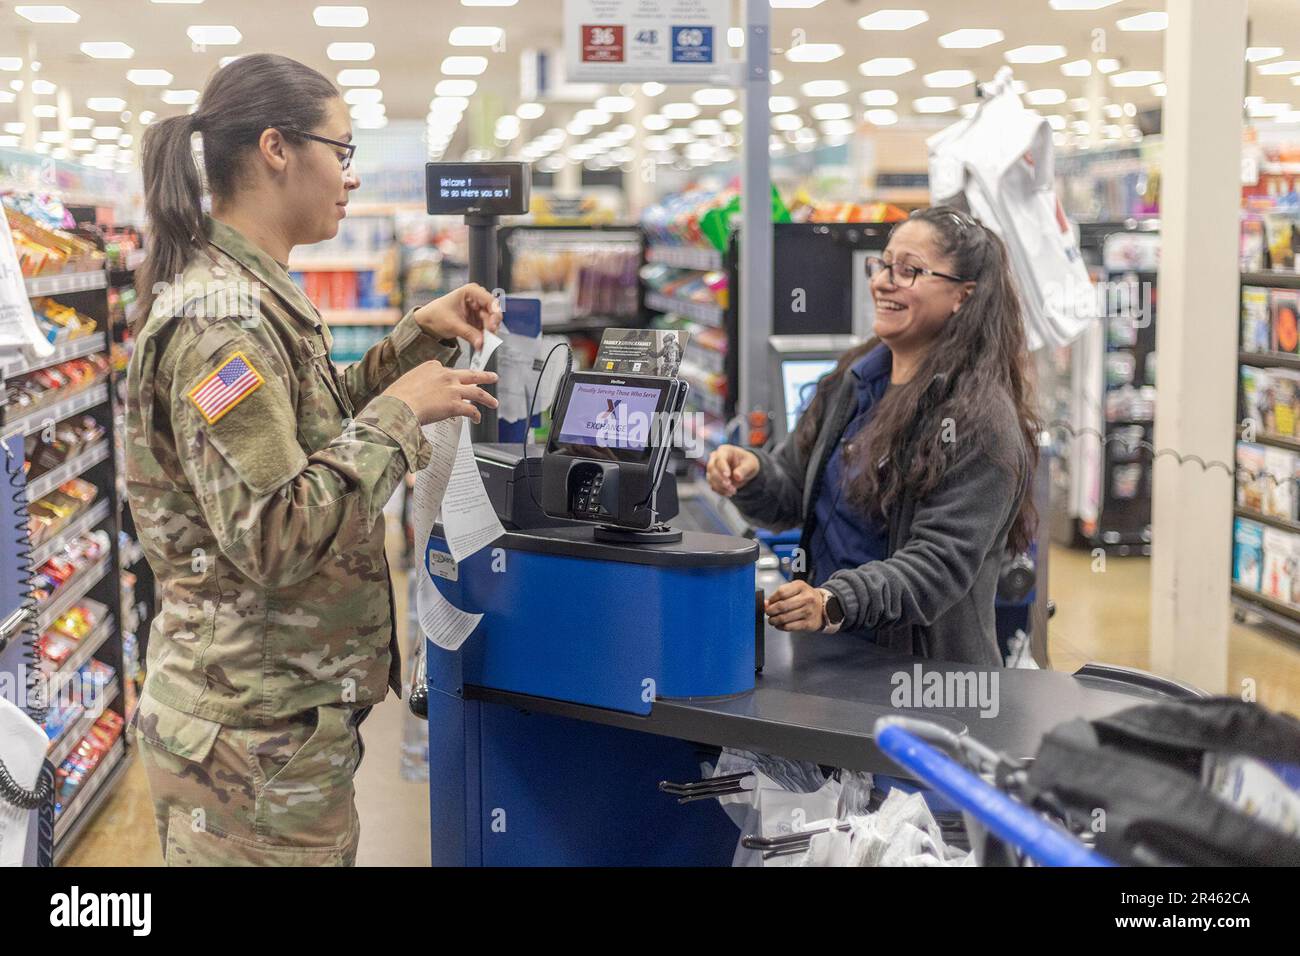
(523, 316)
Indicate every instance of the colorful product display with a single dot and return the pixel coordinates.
(90, 751)
(45, 246)
(47, 386)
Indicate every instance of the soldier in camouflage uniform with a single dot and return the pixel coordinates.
(257, 475)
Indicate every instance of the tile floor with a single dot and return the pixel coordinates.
(1099, 617)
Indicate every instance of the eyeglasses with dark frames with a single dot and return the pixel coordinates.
(345, 159)
(904, 274)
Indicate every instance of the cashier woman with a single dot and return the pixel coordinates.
(909, 470)
(257, 475)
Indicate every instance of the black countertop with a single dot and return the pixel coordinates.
(819, 696)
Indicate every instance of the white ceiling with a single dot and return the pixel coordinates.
(411, 38)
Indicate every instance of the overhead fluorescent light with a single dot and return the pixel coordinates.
(149, 77)
(45, 111)
(341, 16)
(714, 97)
(47, 13)
(893, 19)
(1139, 78)
(15, 127)
(787, 121)
(887, 66)
(948, 79)
(824, 88)
(1160, 89)
(1035, 53)
(180, 97)
(106, 104)
(814, 52)
(364, 95)
(80, 122)
(463, 65)
(43, 87)
(680, 111)
(106, 132)
(1280, 68)
(351, 51)
(782, 104)
(227, 60)
(1144, 22)
(82, 144)
(475, 36)
(1108, 66)
(652, 88)
(107, 50)
(838, 128)
(1077, 68)
(934, 104)
(456, 88)
(1256, 54)
(735, 37)
(615, 104)
(530, 111)
(831, 111)
(11, 64)
(221, 35)
(1067, 5)
(774, 77)
(970, 39)
(732, 117)
(1048, 97)
(706, 127)
(592, 117)
(6, 96)
(656, 122)
(879, 98)
(357, 77)
(881, 117)
(1056, 122)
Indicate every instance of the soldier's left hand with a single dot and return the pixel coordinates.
(464, 314)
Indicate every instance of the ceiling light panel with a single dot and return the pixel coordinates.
(47, 13)
(949, 79)
(221, 35)
(893, 20)
(351, 17)
(814, 52)
(887, 66)
(107, 50)
(970, 39)
(350, 52)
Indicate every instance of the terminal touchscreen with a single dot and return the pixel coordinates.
(610, 417)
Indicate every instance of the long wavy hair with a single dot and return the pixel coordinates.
(979, 360)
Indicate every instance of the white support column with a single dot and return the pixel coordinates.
(1196, 340)
(756, 223)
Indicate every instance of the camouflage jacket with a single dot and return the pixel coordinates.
(257, 475)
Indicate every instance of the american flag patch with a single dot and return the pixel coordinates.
(225, 388)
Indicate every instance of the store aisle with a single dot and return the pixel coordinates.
(1104, 616)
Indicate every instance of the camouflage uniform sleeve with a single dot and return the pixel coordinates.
(397, 353)
(275, 512)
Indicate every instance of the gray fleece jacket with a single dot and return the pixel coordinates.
(933, 596)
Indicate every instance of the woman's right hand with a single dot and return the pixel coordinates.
(435, 393)
(731, 468)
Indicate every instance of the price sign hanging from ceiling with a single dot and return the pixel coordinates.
(671, 41)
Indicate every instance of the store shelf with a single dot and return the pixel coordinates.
(67, 282)
(1269, 360)
(86, 521)
(40, 487)
(1277, 441)
(36, 418)
(1282, 617)
(1277, 280)
(89, 798)
(361, 316)
(86, 649)
(699, 258)
(1280, 523)
(72, 591)
(711, 315)
(65, 352)
(62, 745)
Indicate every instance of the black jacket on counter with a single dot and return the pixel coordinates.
(933, 596)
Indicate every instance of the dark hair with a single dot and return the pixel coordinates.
(241, 100)
(980, 362)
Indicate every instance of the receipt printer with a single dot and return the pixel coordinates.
(610, 440)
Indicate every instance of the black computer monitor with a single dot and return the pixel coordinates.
(799, 362)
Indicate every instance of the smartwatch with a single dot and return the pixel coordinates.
(832, 612)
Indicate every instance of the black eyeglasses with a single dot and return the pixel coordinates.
(904, 274)
(345, 159)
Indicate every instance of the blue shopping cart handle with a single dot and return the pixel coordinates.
(1012, 822)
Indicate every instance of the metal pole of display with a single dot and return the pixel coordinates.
(756, 215)
(483, 270)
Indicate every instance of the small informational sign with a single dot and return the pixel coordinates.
(639, 40)
(641, 351)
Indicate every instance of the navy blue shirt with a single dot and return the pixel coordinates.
(844, 536)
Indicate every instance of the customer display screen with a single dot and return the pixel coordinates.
(473, 188)
(616, 415)
(493, 189)
(799, 378)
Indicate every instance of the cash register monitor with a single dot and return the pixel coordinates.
(799, 362)
(610, 417)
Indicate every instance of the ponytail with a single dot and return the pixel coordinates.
(174, 205)
(241, 100)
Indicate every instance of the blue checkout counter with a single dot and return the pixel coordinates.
(600, 670)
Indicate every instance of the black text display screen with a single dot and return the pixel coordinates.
(610, 416)
(473, 188)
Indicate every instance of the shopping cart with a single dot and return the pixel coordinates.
(985, 787)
